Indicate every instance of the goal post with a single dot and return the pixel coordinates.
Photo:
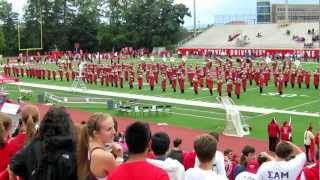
(235, 123)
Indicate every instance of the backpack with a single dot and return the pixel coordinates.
(60, 165)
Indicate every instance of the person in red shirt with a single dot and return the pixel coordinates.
(317, 144)
(292, 79)
(280, 83)
(195, 83)
(285, 131)
(274, 134)
(219, 83)
(261, 83)
(311, 172)
(67, 76)
(131, 81)
(54, 74)
(300, 79)
(244, 82)
(61, 74)
(164, 83)
(181, 83)
(229, 87)
(151, 81)
(209, 82)
(140, 81)
(237, 89)
(73, 75)
(174, 82)
(138, 137)
(307, 79)
(316, 78)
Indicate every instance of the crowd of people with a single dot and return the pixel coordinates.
(56, 148)
(223, 75)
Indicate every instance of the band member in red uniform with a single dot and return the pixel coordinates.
(43, 74)
(54, 74)
(274, 134)
(73, 75)
(102, 79)
(181, 83)
(195, 83)
(316, 77)
(261, 83)
(164, 83)
(229, 87)
(61, 74)
(209, 83)
(67, 76)
(286, 77)
(307, 79)
(292, 79)
(280, 83)
(300, 78)
(140, 81)
(22, 72)
(237, 89)
(151, 81)
(174, 82)
(48, 74)
(201, 80)
(285, 131)
(244, 82)
(95, 77)
(115, 79)
(131, 81)
(219, 83)
(106, 79)
(121, 79)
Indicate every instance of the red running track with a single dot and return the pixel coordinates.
(186, 134)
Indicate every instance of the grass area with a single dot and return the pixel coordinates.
(302, 100)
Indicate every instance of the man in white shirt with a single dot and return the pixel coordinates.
(205, 147)
(283, 167)
(308, 137)
(218, 159)
(160, 143)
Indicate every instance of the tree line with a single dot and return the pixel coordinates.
(97, 25)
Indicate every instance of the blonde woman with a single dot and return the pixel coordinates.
(97, 154)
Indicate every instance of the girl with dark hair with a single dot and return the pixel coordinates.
(51, 155)
(95, 161)
(248, 154)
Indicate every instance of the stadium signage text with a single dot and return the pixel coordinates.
(307, 53)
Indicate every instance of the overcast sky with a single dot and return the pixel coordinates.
(206, 9)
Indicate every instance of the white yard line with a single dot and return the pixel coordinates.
(299, 105)
(192, 115)
(164, 99)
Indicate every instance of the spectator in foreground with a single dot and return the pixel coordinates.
(160, 146)
(138, 139)
(218, 161)
(287, 165)
(248, 156)
(51, 154)
(96, 152)
(250, 172)
(176, 152)
(205, 147)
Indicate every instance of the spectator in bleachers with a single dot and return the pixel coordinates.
(205, 147)
(176, 152)
(250, 172)
(5, 152)
(51, 154)
(229, 162)
(248, 155)
(97, 154)
(308, 142)
(287, 165)
(138, 139)
(218, 161)
(160, 146)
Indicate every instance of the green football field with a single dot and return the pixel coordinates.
(208, 119)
